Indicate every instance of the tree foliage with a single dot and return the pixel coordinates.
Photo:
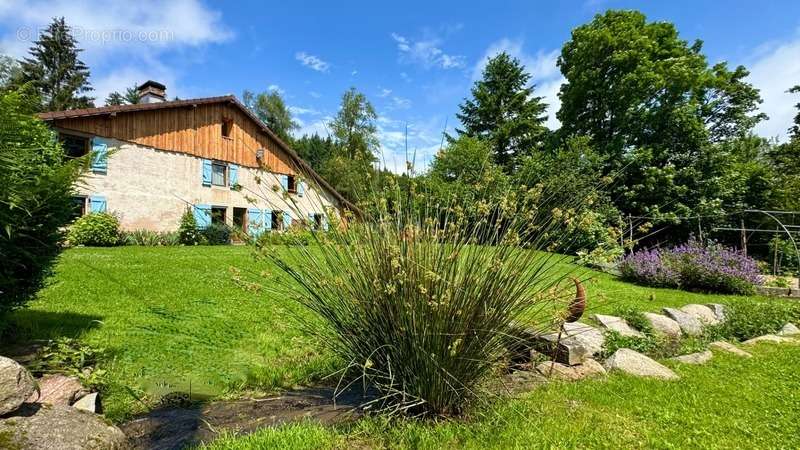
(794, 131)
(54, 71)
(129, 97)
(464, 173)
(9, 71)
(315, 150)
(505, 112)
(354, 129)
(652, 106)
(35, 199)
(272, 110)
(633, 83)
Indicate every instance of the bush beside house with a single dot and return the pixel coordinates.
(95, 229)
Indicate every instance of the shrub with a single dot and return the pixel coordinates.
(96, 230)
(715, 268)
(188, 234)
(150, 238)
(216, 234)
(291, 237)
(694, 266)
(648, 267)
(747, 319)
(35, 200)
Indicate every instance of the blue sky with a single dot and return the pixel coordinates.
(414, 60)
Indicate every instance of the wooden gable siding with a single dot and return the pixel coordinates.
(193, 130)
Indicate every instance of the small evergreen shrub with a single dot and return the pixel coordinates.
(188, 234)
(95, 230)
(694, 266)
(150, 238)
(216, 234)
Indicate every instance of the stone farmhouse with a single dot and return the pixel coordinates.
(153, 160)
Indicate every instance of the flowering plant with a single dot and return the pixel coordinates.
(693, 265)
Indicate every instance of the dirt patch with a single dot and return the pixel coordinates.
(175, 427)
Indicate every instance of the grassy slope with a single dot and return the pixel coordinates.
(181, 317)
(728, 403)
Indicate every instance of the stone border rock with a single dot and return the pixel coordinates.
(41, 418)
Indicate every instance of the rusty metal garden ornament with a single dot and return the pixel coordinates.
(578, 305)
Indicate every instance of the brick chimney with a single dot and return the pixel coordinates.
(152, 92)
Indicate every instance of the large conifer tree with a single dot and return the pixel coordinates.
(55, 72)
(504, 111)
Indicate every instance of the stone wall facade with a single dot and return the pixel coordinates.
(150, 189)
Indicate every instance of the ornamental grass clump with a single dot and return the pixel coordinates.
(420, 303)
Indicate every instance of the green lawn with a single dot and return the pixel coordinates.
(730, 402)
(203, 318)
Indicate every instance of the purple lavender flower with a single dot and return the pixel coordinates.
(692, 265)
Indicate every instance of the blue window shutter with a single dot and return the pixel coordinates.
(267, 219)
(99, 155)
(325, 223)
(202, 215)
(311, 218)
(255, 223)
(285, 182)
(233, 174)
(97, 204)
(287, 220)
(206, 172)
(300, 188)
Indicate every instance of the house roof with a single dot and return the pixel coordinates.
(104, 110)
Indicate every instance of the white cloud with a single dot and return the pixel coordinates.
(124, 42)
(300, 111)
(312, 62)
(276, 88)
(400, 103)
(119, 80)
(109, 26)
(319, 126)
(354, 73)
(314, 94)
(384, 93)
(542, 67)
(426, 53)
(774, 70)
(424, 140)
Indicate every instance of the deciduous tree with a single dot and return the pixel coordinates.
(271, 109)
(354, 129)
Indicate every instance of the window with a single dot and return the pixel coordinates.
(277, 220)
(317, 224)
(227, 127)
(291, 184)
(218, 172)
(74, 146)
(79, 207)
(218, 214)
